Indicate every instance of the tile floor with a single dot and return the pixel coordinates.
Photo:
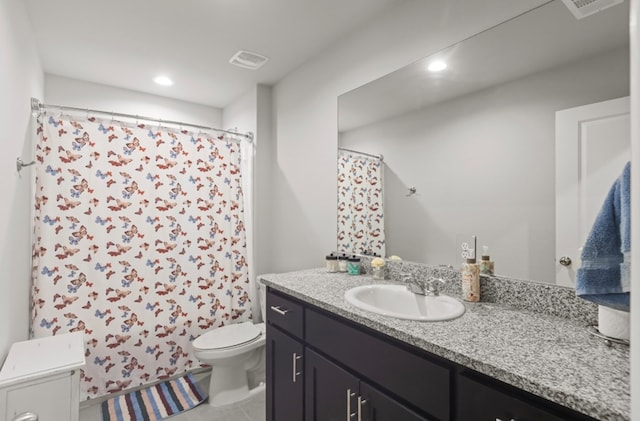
(252, 409)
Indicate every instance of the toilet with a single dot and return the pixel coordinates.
(232, 351)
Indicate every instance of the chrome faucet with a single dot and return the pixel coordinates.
(431, 287)
(413, 284)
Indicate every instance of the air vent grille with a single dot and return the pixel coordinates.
(248, 60)
(584, 8)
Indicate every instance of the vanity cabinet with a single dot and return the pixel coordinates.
(322, 367)
(412, 380)
(319, 368)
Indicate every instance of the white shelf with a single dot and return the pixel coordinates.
(43, 357)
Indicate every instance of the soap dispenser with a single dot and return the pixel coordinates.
(486, 264)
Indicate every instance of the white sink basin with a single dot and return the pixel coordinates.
(396, 301)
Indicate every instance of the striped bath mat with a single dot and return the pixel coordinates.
(156, 402)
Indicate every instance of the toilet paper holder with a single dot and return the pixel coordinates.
(609, 341)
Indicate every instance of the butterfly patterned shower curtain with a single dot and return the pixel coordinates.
(360, 204)
(139, 242)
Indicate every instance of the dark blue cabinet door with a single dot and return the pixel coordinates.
(284, 385)
(379, 407)
(478, 400)
(333, 394)
(330, 391)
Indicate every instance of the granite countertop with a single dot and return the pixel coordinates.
(552, 357)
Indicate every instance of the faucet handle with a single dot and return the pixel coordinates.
(434, 285)
(413, 284)
(406, 277)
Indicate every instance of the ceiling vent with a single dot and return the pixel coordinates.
(584, 8)
(248, 60)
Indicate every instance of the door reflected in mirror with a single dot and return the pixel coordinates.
(477, 139)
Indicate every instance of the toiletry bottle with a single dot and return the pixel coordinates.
(470, 280)
(353, 265)
(331, 263)
(486, 264)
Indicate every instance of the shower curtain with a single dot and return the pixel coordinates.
(139, 242)
(360, 204)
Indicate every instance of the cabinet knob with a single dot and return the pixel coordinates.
(565, 261)
(26, 416)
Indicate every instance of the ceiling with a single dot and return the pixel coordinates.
(125, 43)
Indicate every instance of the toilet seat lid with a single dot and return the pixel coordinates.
(228, 336)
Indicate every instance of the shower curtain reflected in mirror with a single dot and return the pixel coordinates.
(360, 204)
(139, 242)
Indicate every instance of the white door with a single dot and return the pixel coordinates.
(593, 144)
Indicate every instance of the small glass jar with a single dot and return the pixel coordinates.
(378, 272)
(353, 265)
(342, 263)
(331, 263)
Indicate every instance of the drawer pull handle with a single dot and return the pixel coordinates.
(349, 396)
(26, 416)
(295, 371)
(278, 310)
(360, 403)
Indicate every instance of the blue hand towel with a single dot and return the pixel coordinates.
(604, 276)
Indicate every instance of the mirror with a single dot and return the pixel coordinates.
(476, 141)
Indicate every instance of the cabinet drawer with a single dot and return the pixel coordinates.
(416, 380)
(481, 401)
(50, 398)
(285, 313)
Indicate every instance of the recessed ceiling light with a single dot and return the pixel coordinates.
(163, 80)
(437, 66)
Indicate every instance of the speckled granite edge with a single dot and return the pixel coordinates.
(596, 385)
(527, 295)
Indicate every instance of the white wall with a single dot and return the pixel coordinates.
(252, 113)
(303, 189)
(483, 164)
(77, 93)
(20, 79)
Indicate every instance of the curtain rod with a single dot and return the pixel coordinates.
(380, 157)
(37, 106)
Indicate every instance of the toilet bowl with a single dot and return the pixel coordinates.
(232, 351)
